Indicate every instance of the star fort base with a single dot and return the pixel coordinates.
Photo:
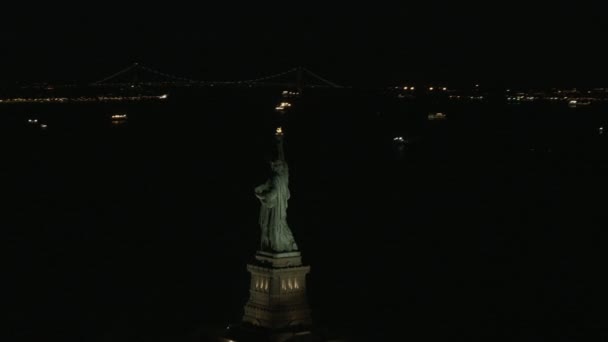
(277, 309)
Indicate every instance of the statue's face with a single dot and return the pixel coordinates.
(277, 166)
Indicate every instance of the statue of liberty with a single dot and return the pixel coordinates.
(273, 195)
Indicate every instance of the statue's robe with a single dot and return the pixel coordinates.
(273, 195)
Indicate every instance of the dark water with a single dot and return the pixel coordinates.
(489, 225)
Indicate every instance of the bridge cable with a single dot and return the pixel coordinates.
(160, 73)
(324, 80)
(269, 77)
(117, 74)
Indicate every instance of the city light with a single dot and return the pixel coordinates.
(290, 94)
(81, 99)
(119, 119)
(282, 106)
(437, 116)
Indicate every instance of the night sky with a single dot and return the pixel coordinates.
(503, 43)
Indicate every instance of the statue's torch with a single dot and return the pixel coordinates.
(279, 135)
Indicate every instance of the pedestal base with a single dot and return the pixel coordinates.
(277, 300)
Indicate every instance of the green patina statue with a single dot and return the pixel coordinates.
(273, 195)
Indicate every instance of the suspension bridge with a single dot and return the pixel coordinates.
(138, 82)
(137, 75)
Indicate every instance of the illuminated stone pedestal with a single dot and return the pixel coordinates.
(277, 309)
(277, 297)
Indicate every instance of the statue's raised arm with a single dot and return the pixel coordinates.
(280, 150)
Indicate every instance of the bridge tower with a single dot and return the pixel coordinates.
(300, 79)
